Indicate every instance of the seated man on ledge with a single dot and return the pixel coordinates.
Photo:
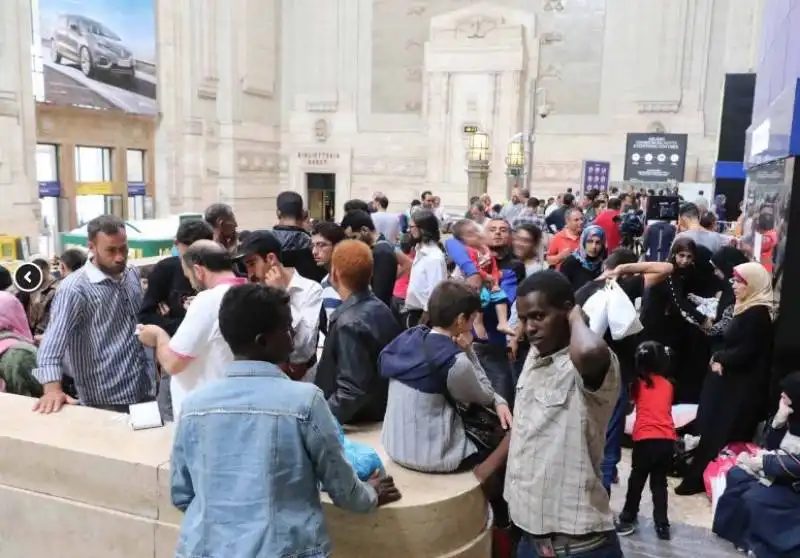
(359, 329)
(252, 449)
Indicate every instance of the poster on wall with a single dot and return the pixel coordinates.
(596, 175)
(99, 53)
(655, 157)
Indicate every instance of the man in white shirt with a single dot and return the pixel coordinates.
(429, 267)
(197, 353)
(261, 254)
(386, 223)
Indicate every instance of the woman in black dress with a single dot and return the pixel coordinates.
(737, 397)
(671, 319)
(586, 263)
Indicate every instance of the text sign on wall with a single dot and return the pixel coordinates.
(596, 175)
(655, 157)
(318, 158)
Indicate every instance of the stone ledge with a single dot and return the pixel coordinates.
(82, 483)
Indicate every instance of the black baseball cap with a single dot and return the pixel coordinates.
(261, 243)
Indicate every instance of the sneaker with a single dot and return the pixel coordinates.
(625, 526)
(663, 532)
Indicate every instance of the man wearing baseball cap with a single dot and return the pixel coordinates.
(260, 254)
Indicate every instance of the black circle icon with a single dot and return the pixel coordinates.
(28, 277)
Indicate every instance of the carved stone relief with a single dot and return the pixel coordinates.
(393, 167)
(572, 38)
(248, 161)
(557, 171)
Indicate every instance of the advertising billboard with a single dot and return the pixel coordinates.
(99, 53)
(655, 157)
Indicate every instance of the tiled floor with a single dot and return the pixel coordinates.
(691, 525)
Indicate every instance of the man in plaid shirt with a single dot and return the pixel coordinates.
(531, 215)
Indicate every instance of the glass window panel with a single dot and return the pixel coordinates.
(135, 166)
(92, 164)
(46, 162)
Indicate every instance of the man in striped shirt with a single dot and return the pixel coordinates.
(92, 330)
(324, 238)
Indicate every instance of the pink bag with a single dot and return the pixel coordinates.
(725, 461)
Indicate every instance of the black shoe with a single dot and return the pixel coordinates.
(690, 488)
(625, 525)
(663, 532)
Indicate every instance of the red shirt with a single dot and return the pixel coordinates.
(401, 283)
(654, 411)
(489, 270)
(562, 240)
(605, 220)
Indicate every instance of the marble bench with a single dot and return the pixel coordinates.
(82, 484)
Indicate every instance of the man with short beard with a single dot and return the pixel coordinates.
(492, 352)
(91, 334)
(197, 354)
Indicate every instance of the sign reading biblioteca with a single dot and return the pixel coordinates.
(655, 157)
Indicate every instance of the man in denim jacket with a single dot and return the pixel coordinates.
(252, 449)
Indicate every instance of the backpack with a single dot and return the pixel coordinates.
(659, 241)
(632, 225)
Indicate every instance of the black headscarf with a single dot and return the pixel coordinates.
(790, 385)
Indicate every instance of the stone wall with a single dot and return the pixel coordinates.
(81, 484)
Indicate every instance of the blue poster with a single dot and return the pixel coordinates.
(99, 53)
(596, 175)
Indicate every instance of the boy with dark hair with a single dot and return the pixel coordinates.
(295, 242)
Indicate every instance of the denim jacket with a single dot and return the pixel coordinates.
(249, 455)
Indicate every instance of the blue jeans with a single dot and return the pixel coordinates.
(614, 433)
(612, 549)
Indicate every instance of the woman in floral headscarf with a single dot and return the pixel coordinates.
(17, 352)
(586, 263)
(736, 392)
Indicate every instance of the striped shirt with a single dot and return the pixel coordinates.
(92, 334)
(330, 298)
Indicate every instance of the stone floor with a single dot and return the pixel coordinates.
(691, 525)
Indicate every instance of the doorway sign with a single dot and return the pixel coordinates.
(95, 189)
(318, 158)
(49, 189)
(136, 189)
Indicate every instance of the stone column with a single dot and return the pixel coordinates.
(219, 135)
(19, 209)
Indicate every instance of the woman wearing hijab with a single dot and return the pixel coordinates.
(17, 351)
(724, 261)
(758, 510)
(736, 400)
(586, 263)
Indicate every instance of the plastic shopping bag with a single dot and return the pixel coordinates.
(724, 463)
(623, 320)
(597, 310)
(718, 485)
(362, 457)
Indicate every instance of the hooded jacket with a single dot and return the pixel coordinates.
(419, 360)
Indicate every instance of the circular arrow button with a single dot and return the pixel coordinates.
(28, 277)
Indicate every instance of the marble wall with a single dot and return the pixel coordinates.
(19, 210)
(599, 69)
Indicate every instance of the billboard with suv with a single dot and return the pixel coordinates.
(99, 53)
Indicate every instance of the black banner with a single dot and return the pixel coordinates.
(655, 157)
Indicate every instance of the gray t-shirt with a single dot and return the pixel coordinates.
(388, 224)
(711, 240)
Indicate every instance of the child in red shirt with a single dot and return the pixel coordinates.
(653, 438)
(492, 294)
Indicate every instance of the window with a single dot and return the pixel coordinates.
(92, 164)
(135, 160)
(46, 163)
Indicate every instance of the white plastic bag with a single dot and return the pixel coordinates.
(718, 485)
(622, 318)
(597, 310)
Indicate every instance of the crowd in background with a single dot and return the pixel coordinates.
(463, 334)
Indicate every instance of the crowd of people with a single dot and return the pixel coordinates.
(465, 337)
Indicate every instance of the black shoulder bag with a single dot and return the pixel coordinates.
(481, 424)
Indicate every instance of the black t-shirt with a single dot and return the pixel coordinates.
(557, 219)
(166, 284)
(384, 271)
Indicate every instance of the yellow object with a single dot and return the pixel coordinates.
(95, 189)
(11, 248)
